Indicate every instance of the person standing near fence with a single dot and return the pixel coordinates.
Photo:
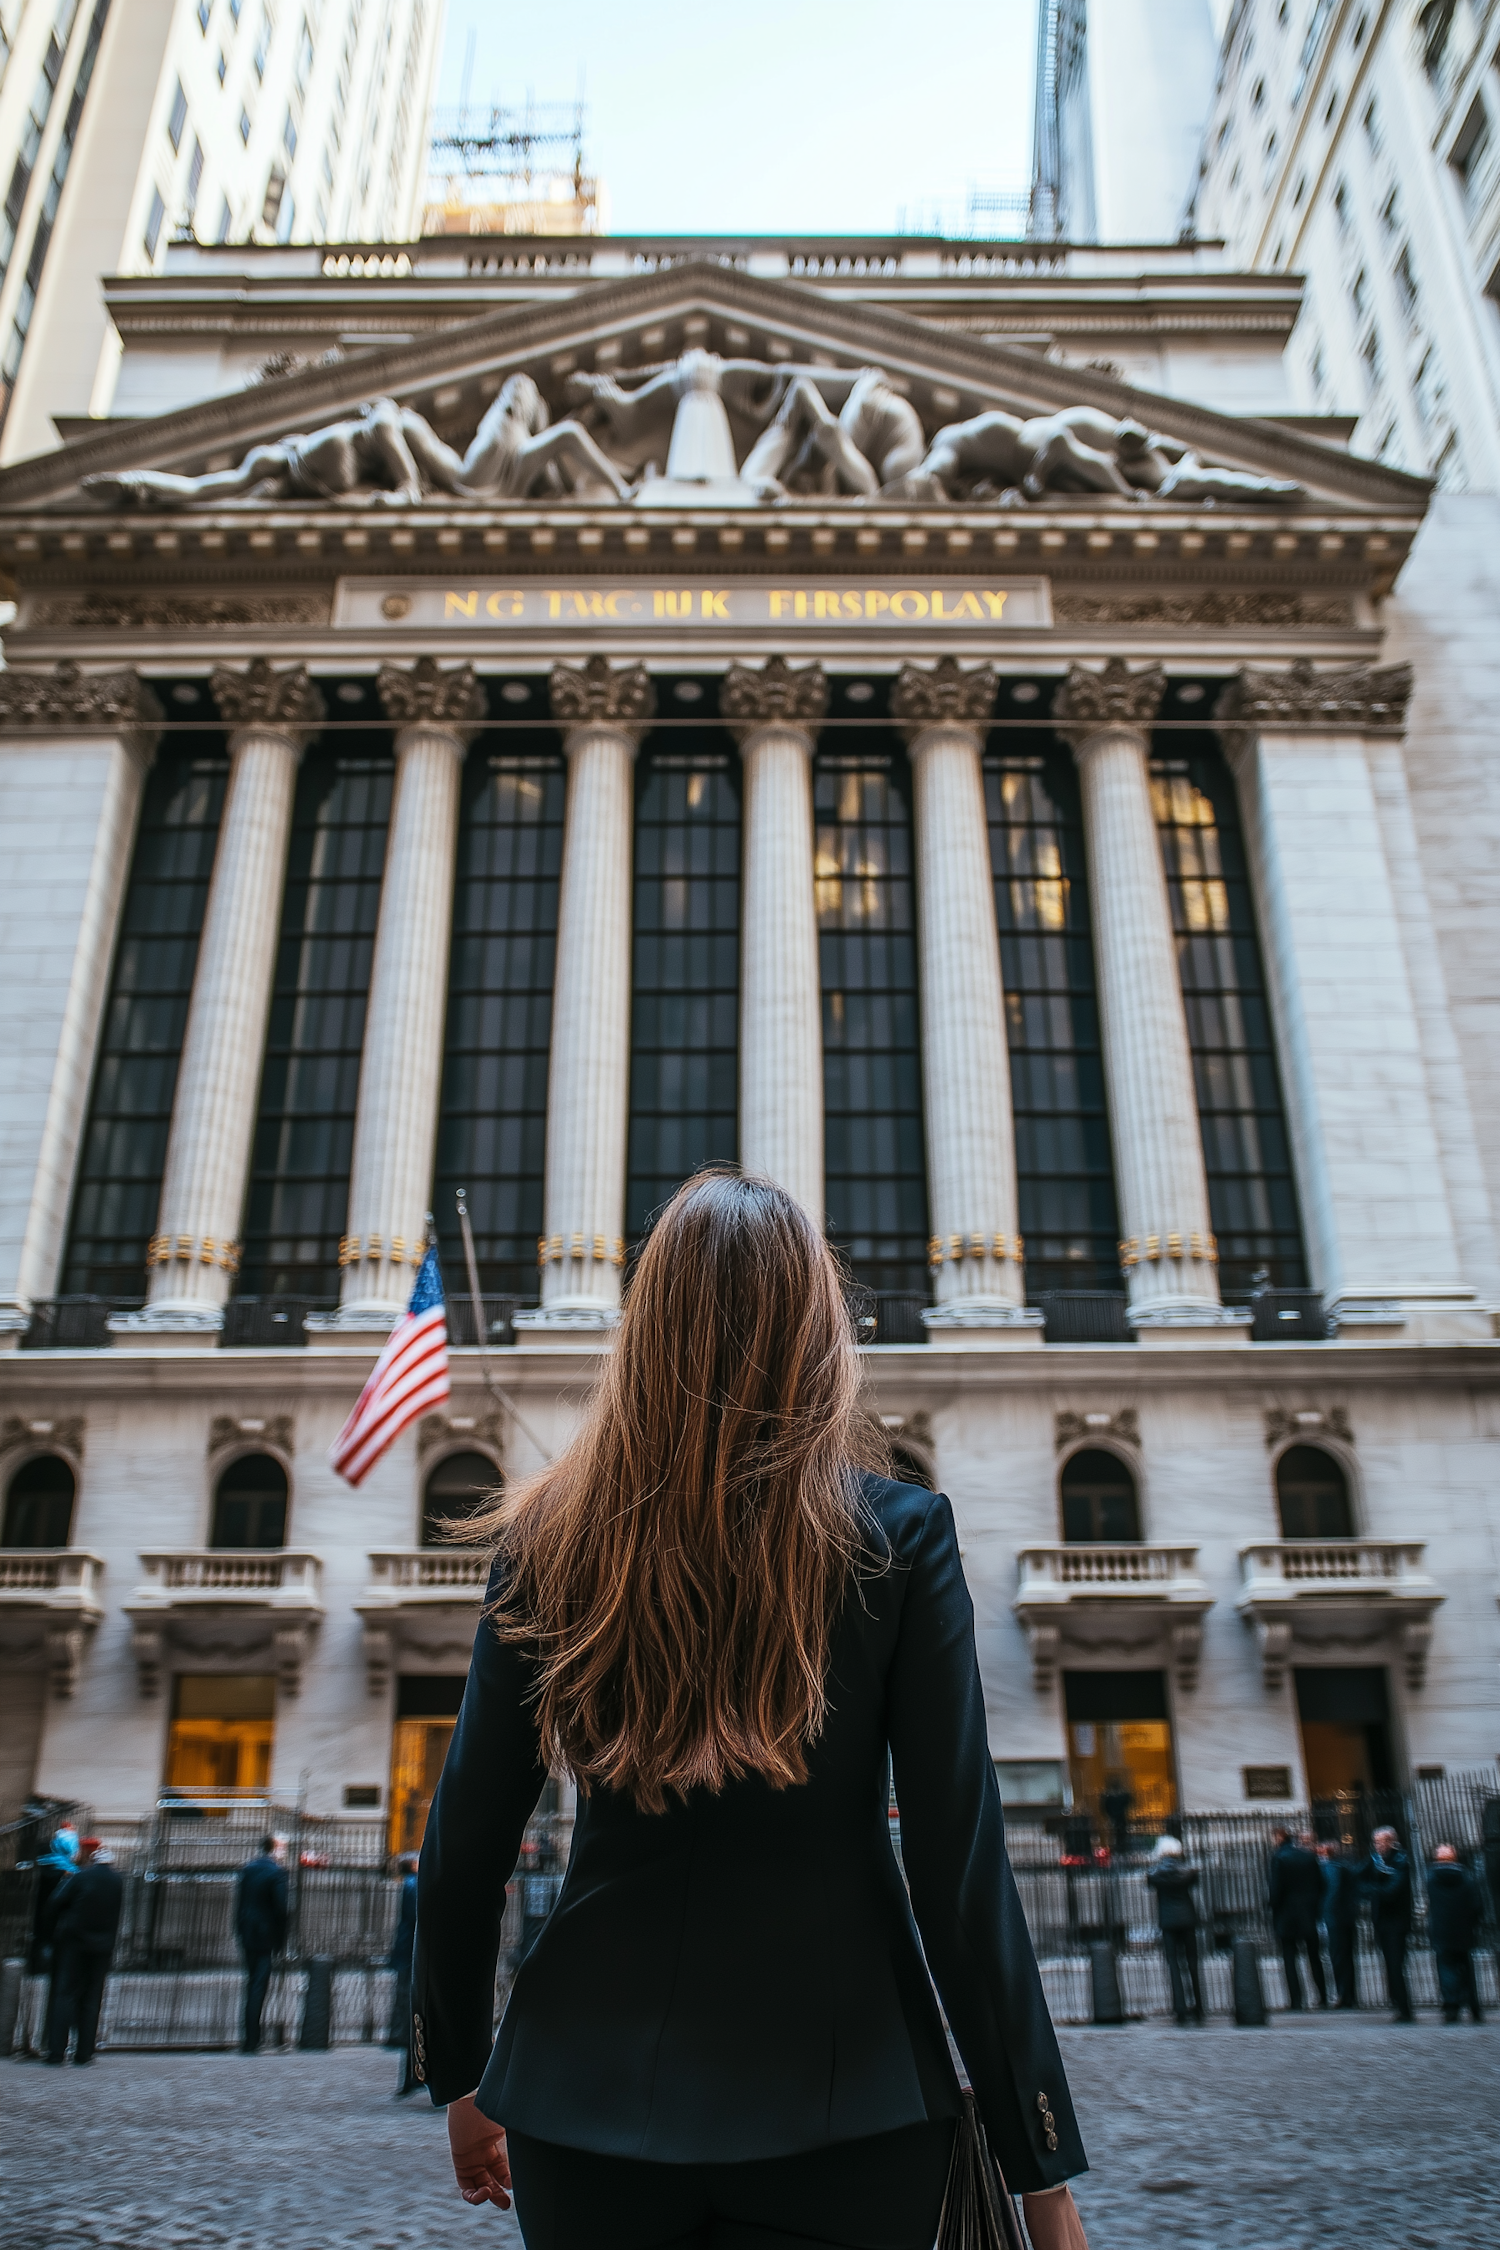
(85, 1922)
(1454, 1913)
(1341, 1900)
(1296, 1898)
(399, 2033)
(1174, 1883)
(1387, 1885)
(260, 1924)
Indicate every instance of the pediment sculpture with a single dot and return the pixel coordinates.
(701, 430)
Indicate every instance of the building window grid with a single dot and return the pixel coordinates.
(299, 1179)
(685, 997)
(1065, 1173)
(41, 241)
(493, 1113)
(1246, 1152)
(875, 1168)
(118, 1195)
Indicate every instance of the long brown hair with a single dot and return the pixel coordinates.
(678, 1569)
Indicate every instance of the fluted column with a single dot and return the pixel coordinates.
(976, 1247)
(774, 713)
(195, 1252)
(588, 1086)
(75, 749)
(1168, 1252)
(395, 1118)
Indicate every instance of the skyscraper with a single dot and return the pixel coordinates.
(264, 120)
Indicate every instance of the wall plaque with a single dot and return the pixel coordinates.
(954, 606)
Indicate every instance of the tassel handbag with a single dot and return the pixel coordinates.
(978, 2210)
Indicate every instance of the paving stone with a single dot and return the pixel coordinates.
(1307, 2135)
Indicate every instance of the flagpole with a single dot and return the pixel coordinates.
(481, 1334)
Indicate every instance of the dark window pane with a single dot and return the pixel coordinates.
(875, 1166)
(304, 1134)
(493, 1122)
(39, 1504)
(685, 997)
(1065, 1177)
(1252, 1196)
(250, 1503)
(125, 1143)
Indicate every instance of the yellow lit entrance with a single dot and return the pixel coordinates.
(426, 1713)
(1120, 1759)
(223, 1726)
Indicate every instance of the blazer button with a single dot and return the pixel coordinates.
(1052, 2144)
(1042, 2103)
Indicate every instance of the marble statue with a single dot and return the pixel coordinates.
(872, 442)
(384, 453)
(1077, 450)
(697, 390)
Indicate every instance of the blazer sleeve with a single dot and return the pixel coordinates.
(963, 1893)
(491, 1780)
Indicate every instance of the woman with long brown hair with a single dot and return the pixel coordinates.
(730, 1632)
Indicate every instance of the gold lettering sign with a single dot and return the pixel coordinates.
(947, 608)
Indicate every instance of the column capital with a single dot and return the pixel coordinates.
(942, 695)
(600, 695)
(63, 699)
(773, 695)
(1362, 699)
(284, 702)
(440, 698)
(1100, 702)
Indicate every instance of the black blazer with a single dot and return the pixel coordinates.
(1387, 1885)
(741, 1976)
(260, 1906)
(1296, 1890)
(1174, 1884)
(88, 1906)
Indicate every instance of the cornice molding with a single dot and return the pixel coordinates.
(771, 694)
(1366, 699)
(601, 694)
(65, 700)
(434, 695)
(943, 695)
(284, 702)
(1092, 702)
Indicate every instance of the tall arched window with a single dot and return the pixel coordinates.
(460, 1485)
(39, 1503)
(1099, 1498)
(1312, 1495)
(250, 1503)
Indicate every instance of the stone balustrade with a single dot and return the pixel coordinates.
(1139, 1594)
(49, 1605)
(230, 1604)
(420, 1600)
(1364, 1598)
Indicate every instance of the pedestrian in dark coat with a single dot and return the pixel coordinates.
(1341, 1903)
(85, 1922)
(399, 2034)
(1387, 1886)
(53, 1867)
(1454, 1913)
(1489, 1834)
(1177, 1912)
(260, 1924)
(1296, 1899)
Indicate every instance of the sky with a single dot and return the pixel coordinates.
(794, 116)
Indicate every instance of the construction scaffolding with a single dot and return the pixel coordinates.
(512, 171)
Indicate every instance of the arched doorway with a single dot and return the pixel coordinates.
(250, 1503)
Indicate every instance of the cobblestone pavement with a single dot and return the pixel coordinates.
(1305, 2134)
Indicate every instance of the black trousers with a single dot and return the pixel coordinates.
(1457, 1983)
(1294, 1942)
(1393, 1943)
(257, 1984)
(74, 2002)
(1185, 1971)
(884, 2193)
(1342, 1938)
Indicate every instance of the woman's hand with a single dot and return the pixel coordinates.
(1052, 2220)
(477, 2146)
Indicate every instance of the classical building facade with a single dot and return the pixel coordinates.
(785, 704)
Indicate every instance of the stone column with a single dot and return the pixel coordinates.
(588, 1087)
(195, 1251)
(75, 749)
(1394, 1211)
(400, 1075)
(976, 1249)
(774, 714)
(1169, 1253)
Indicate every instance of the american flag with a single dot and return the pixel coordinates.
(410, 1377)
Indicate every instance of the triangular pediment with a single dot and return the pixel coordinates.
(621, 329)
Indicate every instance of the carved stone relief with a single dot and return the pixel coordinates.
(1210, 605)
(276, 1431)
(64, 1434)
(1307, 1423)
(441, 1433)
(168, 613)
(1367, 699)
(1124, 1428)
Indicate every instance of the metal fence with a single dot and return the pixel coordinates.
(176, 1978)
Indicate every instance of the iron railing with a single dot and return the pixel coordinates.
(70, 1324)
(1085, 1316)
